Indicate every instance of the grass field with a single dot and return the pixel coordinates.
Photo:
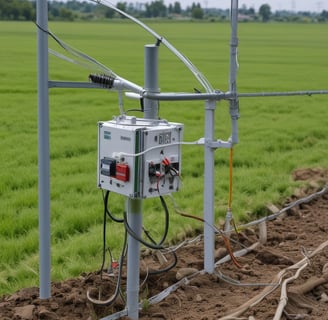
(277, 135)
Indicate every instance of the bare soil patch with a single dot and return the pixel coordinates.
(290, 238)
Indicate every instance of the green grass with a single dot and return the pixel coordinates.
(277, 135)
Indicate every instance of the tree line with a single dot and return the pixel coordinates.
(86, 10)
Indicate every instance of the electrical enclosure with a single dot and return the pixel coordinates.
(139, 158)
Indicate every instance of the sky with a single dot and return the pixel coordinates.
(293, 5)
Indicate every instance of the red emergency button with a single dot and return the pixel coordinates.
(122, 172)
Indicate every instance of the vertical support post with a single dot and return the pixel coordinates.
(234, 102)
(134, 210)
(134, 206)
(43, 151)
(151, 81)
(209, 187)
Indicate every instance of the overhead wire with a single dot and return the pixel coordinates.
(199, 76)
(86, 61)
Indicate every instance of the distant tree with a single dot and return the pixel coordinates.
(196, 11)
(86, 7)
(53, 12)
(66, 14)
(121, 6)
(73, 5)
(251, 11)
(27, 11)
(177, 7)
(323, 16)
(109, 13)
(245, 11)
(156, 9)
(265, 12)
(17, 10)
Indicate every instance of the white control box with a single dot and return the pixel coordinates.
(139, 158)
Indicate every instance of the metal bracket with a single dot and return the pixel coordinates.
(215, 144)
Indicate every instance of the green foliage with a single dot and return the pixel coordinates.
(197, 12)
(17, 10)
(265, 12)
(156, 9)
(77, 10)
(277, 135)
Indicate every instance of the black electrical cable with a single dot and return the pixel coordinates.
(120, 268)
(121, 260)
(152, 245)
(167, 219)
(104, 243)
(155, 246)
(147, 233)
(119, 280)
(133, 110)
(108, 211)
(168, 268)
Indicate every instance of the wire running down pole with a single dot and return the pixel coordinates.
(43, 151)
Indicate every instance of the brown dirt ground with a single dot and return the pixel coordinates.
(290, 238)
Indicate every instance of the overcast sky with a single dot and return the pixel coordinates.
(295, 5)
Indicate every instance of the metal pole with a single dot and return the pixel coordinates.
(209, 188)
(134, 206)
(209, 235)
(151, 81)
(134, 210)
(43, 151)
(234, 103)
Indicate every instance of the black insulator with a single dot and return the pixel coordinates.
(102, 79)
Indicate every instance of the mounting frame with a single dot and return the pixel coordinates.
(151, 97)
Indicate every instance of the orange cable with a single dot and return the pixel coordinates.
(226, 240)
(232, 256)
(230, 178)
